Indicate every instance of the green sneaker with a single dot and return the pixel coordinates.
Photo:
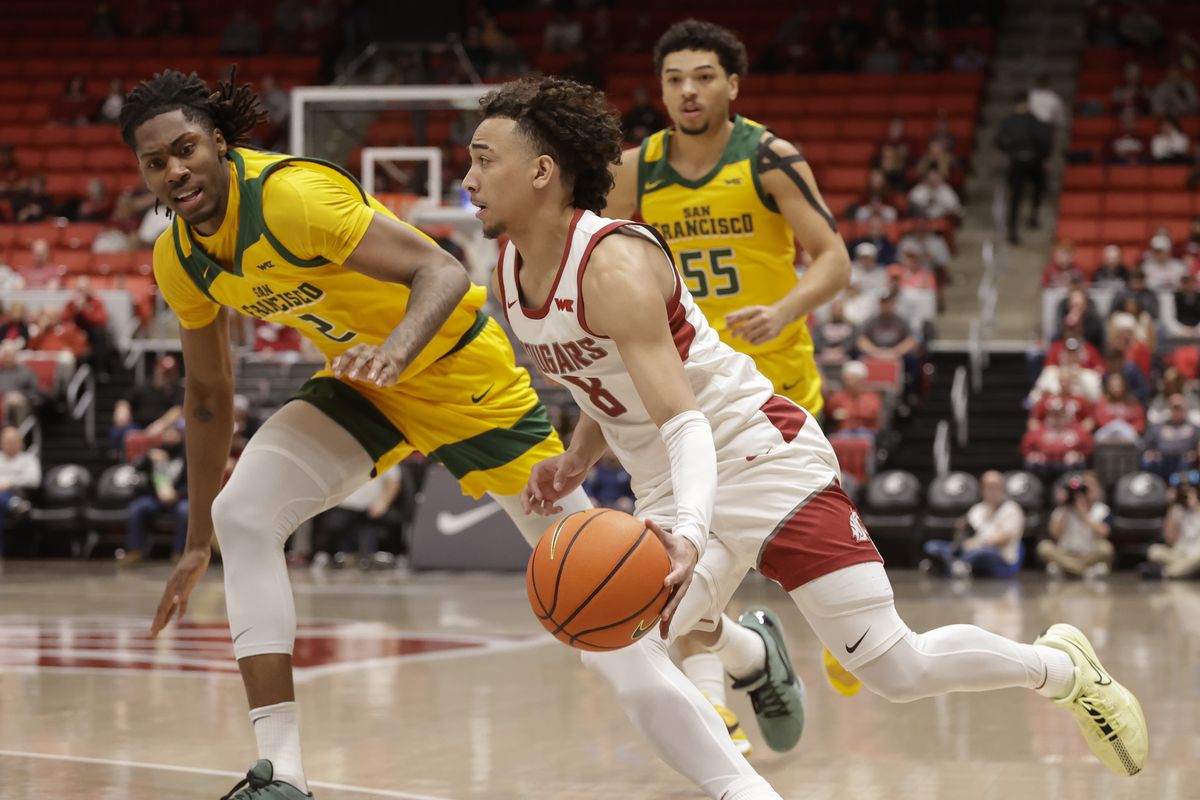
(259, 784)
(777, 693)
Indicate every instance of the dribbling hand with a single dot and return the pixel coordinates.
(550, 481)
(683, 557)
(369, 363)
(188, 572)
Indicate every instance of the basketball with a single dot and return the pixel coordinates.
(595, 579)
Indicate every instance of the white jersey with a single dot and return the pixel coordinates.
(728, 388)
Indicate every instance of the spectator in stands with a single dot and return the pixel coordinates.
(932, 248)
(876, 236)
(1119, 417)
(608, 484)
(894, 29)
(937, 157)
(1078, 317)
(164, 491)
(13, 325)
(563, 33)
(109, 109)
(1139, 28)
(1112, 270)
(892, 161)
(1078, 534)
(847, 34)
(356, 525)
(18, 385)
(152, 407)
(1162, 270)
(1131, 98)
(887, 335)
(1075, 408)
(103, 23)
(20, 476)
(1175, 95)
(33, 203)
(1178, 556)
(929, 53)
(970, 58)
(1089, 356)
(875, 204)
(43, 273)
(1046, 105)
(1026, 141)
(1057, 446)
(642, 119)
(1187, 308)
(1173, 382)
(860, 305)
(866, 271)
(882, 59)
(1171, 445)
(854, 410)
(1068, 377)
(941, 132)
(96, 205)
(51, 333)
(242, 36)
(1062, 270)
(74, 107)
(1127, 146)
(912, 273)
(1123, 329)
(89, 314)
(833, 339)
(1170, 145)
(934, 198)
(987, 541)
(1147, 297)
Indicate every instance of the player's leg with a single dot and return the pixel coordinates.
(299, 463)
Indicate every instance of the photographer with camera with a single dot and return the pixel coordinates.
(1179, 557)
(987, 541)
(1078, 543)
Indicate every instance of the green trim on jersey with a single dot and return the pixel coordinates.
(342, 403)
(496, 447)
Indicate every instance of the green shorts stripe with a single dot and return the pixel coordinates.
(496, 447)
(481, 321)
(358, 415)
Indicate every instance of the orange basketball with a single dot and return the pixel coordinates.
(595, 580)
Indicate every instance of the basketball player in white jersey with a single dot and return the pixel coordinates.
(742, 479)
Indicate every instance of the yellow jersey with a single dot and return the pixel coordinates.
(733, 249)
(279, 255)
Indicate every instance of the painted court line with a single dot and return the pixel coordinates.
(217, 773)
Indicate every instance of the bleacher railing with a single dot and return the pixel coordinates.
(941, 449)
(81, 400)
(959, 400)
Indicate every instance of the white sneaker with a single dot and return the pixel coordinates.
(1096, 572)
(1054, 570)
(960, 569)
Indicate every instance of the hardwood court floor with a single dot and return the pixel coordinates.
(443, 687)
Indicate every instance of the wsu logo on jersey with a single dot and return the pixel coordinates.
(857, 528)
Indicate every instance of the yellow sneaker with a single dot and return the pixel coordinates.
(842, 680)
(1109, 716)
(735, 730)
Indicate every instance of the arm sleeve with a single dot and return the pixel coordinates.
(315, 215)
(194, 308)
(693, 457)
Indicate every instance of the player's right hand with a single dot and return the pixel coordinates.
(188, 572)
(550, 481)
(684, 557)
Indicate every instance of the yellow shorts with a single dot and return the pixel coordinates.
(793, 371)
(473, 410)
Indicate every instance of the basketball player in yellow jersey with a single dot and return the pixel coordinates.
(731, 199)
(413, 364)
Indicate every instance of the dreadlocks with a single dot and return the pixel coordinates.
(233, 110)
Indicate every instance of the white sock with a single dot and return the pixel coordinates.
(277, 729)
(753, 788)
(1060, 672)
(707, 674)
(741, 650)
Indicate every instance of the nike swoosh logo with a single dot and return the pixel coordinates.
(512, 303)
(478, 399)
(1102, 678)
(787, 387)
(642, 629)
(850, 649)
(649, 187)
(451, 524)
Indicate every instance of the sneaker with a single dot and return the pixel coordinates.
(129, 558)
(960, 570)
(1096, 572)
(259, 784)
(841, 679)
(740, 742)
(777, 692)
(1054, 570)
(1109, 716)
(925, 566)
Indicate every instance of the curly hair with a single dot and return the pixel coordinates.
(231, 109)
(694, 34)
(568, 121)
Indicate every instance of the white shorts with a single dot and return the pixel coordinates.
(781, 512)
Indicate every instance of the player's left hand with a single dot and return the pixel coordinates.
(756, 324)
(369, 363)
(683, 557)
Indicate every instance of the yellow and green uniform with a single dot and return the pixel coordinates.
(733, 248)
(290, 226)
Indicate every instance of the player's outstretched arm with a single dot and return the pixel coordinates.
(787, 178)
(622, 303)
(622, 200)
(208, 412)
(393, 252)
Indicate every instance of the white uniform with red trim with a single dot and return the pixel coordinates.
(778, 506)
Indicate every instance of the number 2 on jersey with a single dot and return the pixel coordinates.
(326, 328)
(691, 264)
(601, 398)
